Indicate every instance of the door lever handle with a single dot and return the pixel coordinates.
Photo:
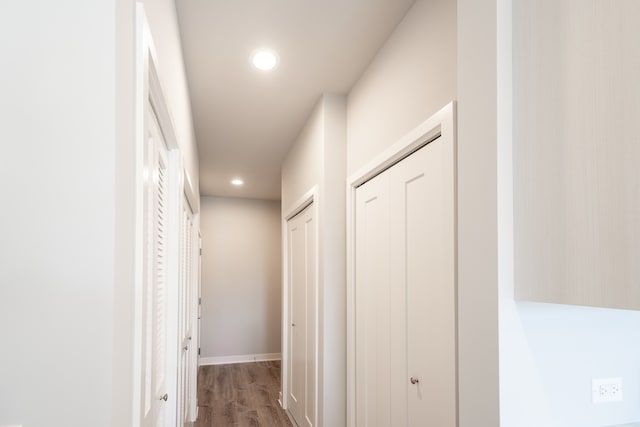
(414, 380)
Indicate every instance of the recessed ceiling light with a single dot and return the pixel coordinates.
(264, 59)
(237, 182)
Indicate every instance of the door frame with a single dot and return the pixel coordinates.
(310, 198)
(441, 125)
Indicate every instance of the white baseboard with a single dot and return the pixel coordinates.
(246, 358)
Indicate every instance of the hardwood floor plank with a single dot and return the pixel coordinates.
(242, 395)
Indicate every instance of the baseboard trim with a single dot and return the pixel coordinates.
(246, 358)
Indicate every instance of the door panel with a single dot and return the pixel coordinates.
(185, 312)
(372, 304)
(424, 246)
(195, 357)
(298, 315)
(302, 344)
(405, 293)
(310, 321)
(155, 274)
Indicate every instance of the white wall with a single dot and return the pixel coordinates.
(57, 181)
(302, 168)
(412, 77)
(332, 263)
(552, 352)
(478, 232)
(318, 159)
(68, 127)
(163, 21)
(241, 277)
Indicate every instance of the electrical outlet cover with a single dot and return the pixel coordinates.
(606, 390)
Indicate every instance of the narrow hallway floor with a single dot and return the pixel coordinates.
(240, 395)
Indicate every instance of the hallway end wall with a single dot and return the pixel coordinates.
(241, 276)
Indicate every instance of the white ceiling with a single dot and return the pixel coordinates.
(246, 120)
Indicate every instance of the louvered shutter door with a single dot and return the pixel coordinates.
(160, 291)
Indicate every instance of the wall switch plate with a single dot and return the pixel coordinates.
(606, 390)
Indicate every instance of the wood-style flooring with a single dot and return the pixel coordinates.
(242, 395)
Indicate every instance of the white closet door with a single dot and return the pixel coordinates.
(155, 274)
(302, 343)
(423, 262)
(372, 295)
(197, 314)
(405, 293)
(185, 312)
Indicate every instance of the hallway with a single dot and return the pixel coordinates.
(242, 395)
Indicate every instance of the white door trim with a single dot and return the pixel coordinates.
(309, 198)
(440, 125)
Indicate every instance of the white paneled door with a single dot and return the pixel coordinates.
(302, 315)
(185, 313)
(405, 293)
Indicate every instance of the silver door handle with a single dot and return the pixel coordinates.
(414, 380)
(165, 397)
